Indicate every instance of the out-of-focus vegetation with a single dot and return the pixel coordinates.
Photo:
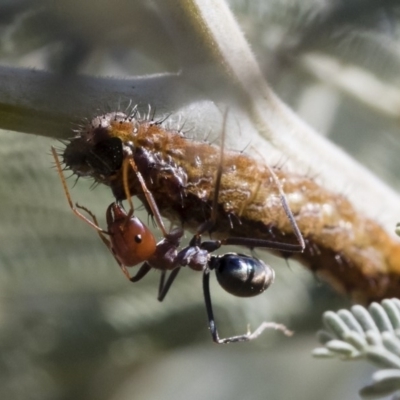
(70, 324)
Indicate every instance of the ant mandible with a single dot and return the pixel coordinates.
(131, 243)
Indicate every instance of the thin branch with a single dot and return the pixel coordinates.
(47, 104)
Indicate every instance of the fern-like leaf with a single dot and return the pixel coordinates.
(372, 334)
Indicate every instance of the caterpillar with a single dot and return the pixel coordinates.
(344, 247)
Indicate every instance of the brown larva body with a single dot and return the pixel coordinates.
(353, 253)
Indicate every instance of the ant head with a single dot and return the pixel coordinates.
(132, 242)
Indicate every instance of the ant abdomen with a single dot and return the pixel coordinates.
(242, 275)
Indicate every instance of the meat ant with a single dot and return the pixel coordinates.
(131, 243)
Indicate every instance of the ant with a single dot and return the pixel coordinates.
(131, 243)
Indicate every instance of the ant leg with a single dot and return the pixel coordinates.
(95, 225)
(143, 270)
(281, 246)
(161, 283)
(210, 223)
(240, 338)
(149, 197)
(107, 243)
(68, 196)
(288, 211)
(100, 232)
(242, 241)
(270, 244)
(164, 287)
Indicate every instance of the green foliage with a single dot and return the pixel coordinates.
(372, 334)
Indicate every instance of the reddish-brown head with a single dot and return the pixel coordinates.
(132, 242)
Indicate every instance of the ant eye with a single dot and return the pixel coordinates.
(138, 238)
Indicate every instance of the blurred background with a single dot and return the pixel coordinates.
(70, 324)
